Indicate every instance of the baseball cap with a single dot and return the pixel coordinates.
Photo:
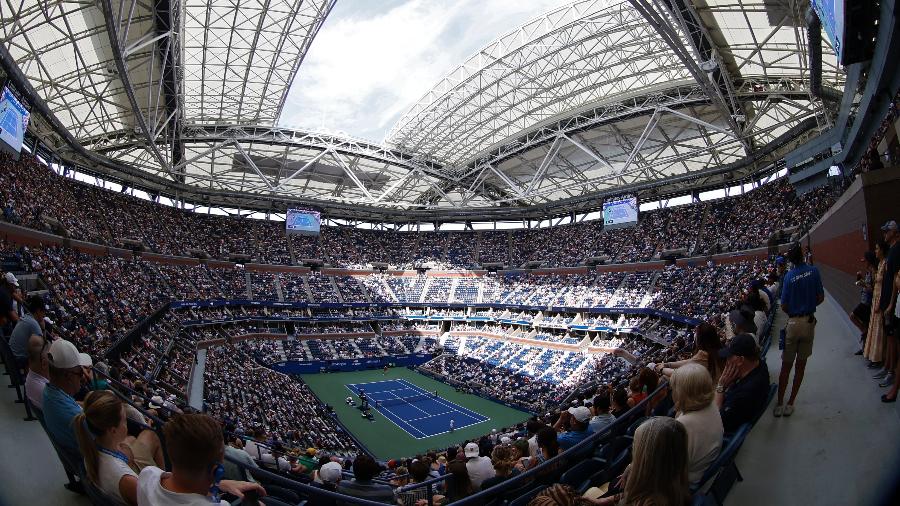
(11, 278)
(580, 413)
(505, 440)
(330, 472)
(742, 345)
(156, 402)
(311, 451)
(890, 225)
(471, 450)
(779, 260)
(64, 355)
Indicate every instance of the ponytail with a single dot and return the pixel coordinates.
(87, 443)
(102, 411)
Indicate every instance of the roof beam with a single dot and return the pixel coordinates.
(669, 33)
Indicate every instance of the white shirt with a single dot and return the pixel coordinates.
(151, 493)
(254, 450)
(759, 318)
(480, 469)
(34, 388)
(110, 471)
(705, 431)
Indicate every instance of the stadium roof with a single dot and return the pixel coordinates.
(592, 98)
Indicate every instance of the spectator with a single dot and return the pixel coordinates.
(619, 398)
(888, 306)
(9, 299)
(418, 472)
(740, 321)
(743, 388)
(59, 403)
(364, 469)
(659, 466)
(38, 371)
(548, 445)
(692, 392)
(196, 449)
(308, 461)
(504, 458)
(874, 347)
(801, 293)
(479, 467)
(101, 430)
(458, 485)
(865, 280)
(602, 417)
(706, 353)
(572, 425)
(329, 474)
(31, 324)
(234, 451)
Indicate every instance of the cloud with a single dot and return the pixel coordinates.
(372, 60)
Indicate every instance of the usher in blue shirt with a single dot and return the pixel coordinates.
(801, 290)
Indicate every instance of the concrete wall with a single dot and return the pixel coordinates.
(850, 228)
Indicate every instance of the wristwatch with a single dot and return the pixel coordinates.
(720, 389)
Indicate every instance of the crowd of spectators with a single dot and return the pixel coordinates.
(62, 205)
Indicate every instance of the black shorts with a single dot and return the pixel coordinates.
(862, 312)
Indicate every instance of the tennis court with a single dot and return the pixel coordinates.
(419, 413)
(386, 436)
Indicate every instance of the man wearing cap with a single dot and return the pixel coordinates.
(480, 468)
(743, 388)
(308, 461)
(59, 404)
(29, 325)
(886, 306)
(576, 420)
(801, 293)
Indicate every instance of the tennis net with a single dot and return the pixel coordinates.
(404, 400)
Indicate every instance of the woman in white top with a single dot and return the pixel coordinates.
(101, 429)
(693, 394)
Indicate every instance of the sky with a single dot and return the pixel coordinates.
(373, 59)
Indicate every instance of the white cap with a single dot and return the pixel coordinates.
(580, 413)
(64, 355)
(156, 402)
(330, 472)
(11, 279)
(48, 321)
(505, 440)
(471, 450)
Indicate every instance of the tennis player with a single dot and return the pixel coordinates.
(452, 424)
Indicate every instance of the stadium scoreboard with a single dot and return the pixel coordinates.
(301, 221)
(621, 212)
(14, 118)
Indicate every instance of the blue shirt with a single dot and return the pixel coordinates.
(571, 438)
(801, 290)
(22, 332)
(59, 411)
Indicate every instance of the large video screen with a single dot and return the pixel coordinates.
(621, 212)
(301, 221)
(831, 14)
(13, 122)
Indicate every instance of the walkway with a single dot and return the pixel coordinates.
(839, 446)
(195, 395)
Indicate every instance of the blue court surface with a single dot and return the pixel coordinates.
(421, 417)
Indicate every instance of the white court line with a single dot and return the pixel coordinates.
(455, 407)
(391, 419)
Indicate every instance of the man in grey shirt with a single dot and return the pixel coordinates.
(29, 325)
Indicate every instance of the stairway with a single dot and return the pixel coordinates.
(425, 287)
(278, 289)
(309, 295)
(337, 291)
(249, 285)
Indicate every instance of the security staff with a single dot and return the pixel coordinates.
(800, 294)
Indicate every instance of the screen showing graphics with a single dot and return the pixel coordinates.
(831, 13)
(301, 221)
(621, 212)
(13, 122)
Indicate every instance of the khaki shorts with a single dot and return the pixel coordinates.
(798, 339)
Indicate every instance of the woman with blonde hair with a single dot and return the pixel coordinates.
(693, 394)
(101, 430)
